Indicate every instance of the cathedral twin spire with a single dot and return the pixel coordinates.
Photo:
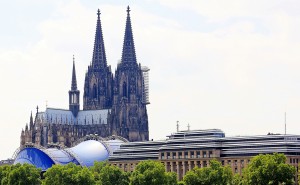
(99, 86)
(128, 54)
(99, 57)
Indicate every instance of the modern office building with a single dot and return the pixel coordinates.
(184, 150)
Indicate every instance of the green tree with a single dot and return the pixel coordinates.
(20, 174)
(171, 178)
(152, 173)
(299, 174)
(96, 169)
(112, 175)
(68, 174)
(269, 169)
(237, 180)
(215, 174)
(4, 171)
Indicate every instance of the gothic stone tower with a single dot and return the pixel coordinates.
(98, 78)
(129, 112)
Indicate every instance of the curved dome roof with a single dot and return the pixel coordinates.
(85, 154)
(89, 151)
(35, 157)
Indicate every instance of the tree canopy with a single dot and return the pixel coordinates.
(109, 174)
(262, 170)
(68, 174)
(214, 174)
(269, 169)
(152, 173)
(20, 174)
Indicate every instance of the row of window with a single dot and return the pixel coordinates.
(293, 160)
(186, 155)
(235, 162)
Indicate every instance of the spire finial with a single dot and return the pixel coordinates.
(73, 59)
(98, 13)
(128, 9)
(37, 109)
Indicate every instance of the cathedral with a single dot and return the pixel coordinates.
(113, 104)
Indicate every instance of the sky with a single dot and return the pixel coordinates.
(232, 65)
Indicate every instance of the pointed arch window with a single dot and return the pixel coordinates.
(94, 91)
(124, 89)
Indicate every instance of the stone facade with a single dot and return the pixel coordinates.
(120, 98)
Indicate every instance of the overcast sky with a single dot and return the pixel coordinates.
(232, 65)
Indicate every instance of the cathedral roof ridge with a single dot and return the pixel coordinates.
(53, 108)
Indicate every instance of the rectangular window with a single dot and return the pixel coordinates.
(235, 162)
(168, 155)
(223, 162)
(198, 154)
(192, 154)
(174, 155)
(204, 154)
(179, 155)
(162, 156)
(185, 155)
(229, 162)
(210, 154)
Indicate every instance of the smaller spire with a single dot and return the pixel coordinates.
(31, 119)
(37, 109)
(74, 81)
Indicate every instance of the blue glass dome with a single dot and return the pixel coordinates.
(85, 154)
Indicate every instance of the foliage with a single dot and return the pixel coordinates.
(299, 174)
(215, 174)
(68, 174)
(152, 173)
(171, 178)
(96, 169)
(238, 180)
(180, 183)
(20, 174)
(4, 171)
(269, 169)
(112, 175)
(263, 170)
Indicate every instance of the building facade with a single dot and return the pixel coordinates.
(185, 150)
(113, 104)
